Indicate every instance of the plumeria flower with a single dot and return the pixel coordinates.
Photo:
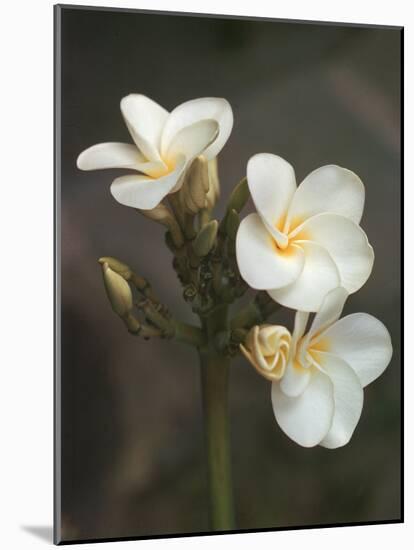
(318, 401)
(267, 348)
(304, 241)
(164, 146)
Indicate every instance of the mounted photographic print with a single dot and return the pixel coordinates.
(228, 274)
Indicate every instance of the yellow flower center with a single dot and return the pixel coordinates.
(162, 168)
(306, 358)
(288, 238)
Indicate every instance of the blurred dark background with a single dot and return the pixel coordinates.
(132, 440)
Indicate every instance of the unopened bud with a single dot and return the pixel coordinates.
(119, 267)
(239, 196)
(205, 239)
(190, 207)
(160, 213)
(133, 325)
(199, 172)
(213, 193)
(267, 348)
(196, 185)
(232, 224)
(118, 291)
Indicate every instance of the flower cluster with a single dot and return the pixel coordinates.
(304, 248)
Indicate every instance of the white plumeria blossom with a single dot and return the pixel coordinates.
(306, 240)
(164, 146)
(267, 348)
(318, 401)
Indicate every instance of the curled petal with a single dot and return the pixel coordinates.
(272, 185)
(110, 155)
(308, 418)
(272, 337)
(348, 397)
(362, 341)
(319, 276)
(195, 110)
(267, 348)
(145, 120)
(261, 263)
(143, 192)
(328, 189)
(192, 140)
(347, 244)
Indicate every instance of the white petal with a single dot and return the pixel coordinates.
(348, 397)
(145, 120)
(329, 312)
(143, 192)
(192, 140)
(153, 169)
(301, 320)
(262, 265)
(192, 111)
(272, 185)
(345, 241)
(328, 189)
(295, 380)
(296, 377)
(110, 155)
(363, 342)
(318, 277)
(306, 419)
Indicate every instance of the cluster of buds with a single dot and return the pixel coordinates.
(197, 196)
(117, 278)
(203, 250)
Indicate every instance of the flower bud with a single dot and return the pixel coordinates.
(213, 193)
(205, 239)
(119, 267)
(118, 291)
(196, 185)
(199, 180)
(267, 348)
(160, 213)
(232, 224)
(132, 324)
(239, 196)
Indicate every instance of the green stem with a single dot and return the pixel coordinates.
(214, 380)
(188, 334)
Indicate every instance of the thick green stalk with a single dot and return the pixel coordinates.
(214, 380)
(188, 334)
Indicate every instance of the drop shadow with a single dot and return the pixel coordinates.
(43, 532)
